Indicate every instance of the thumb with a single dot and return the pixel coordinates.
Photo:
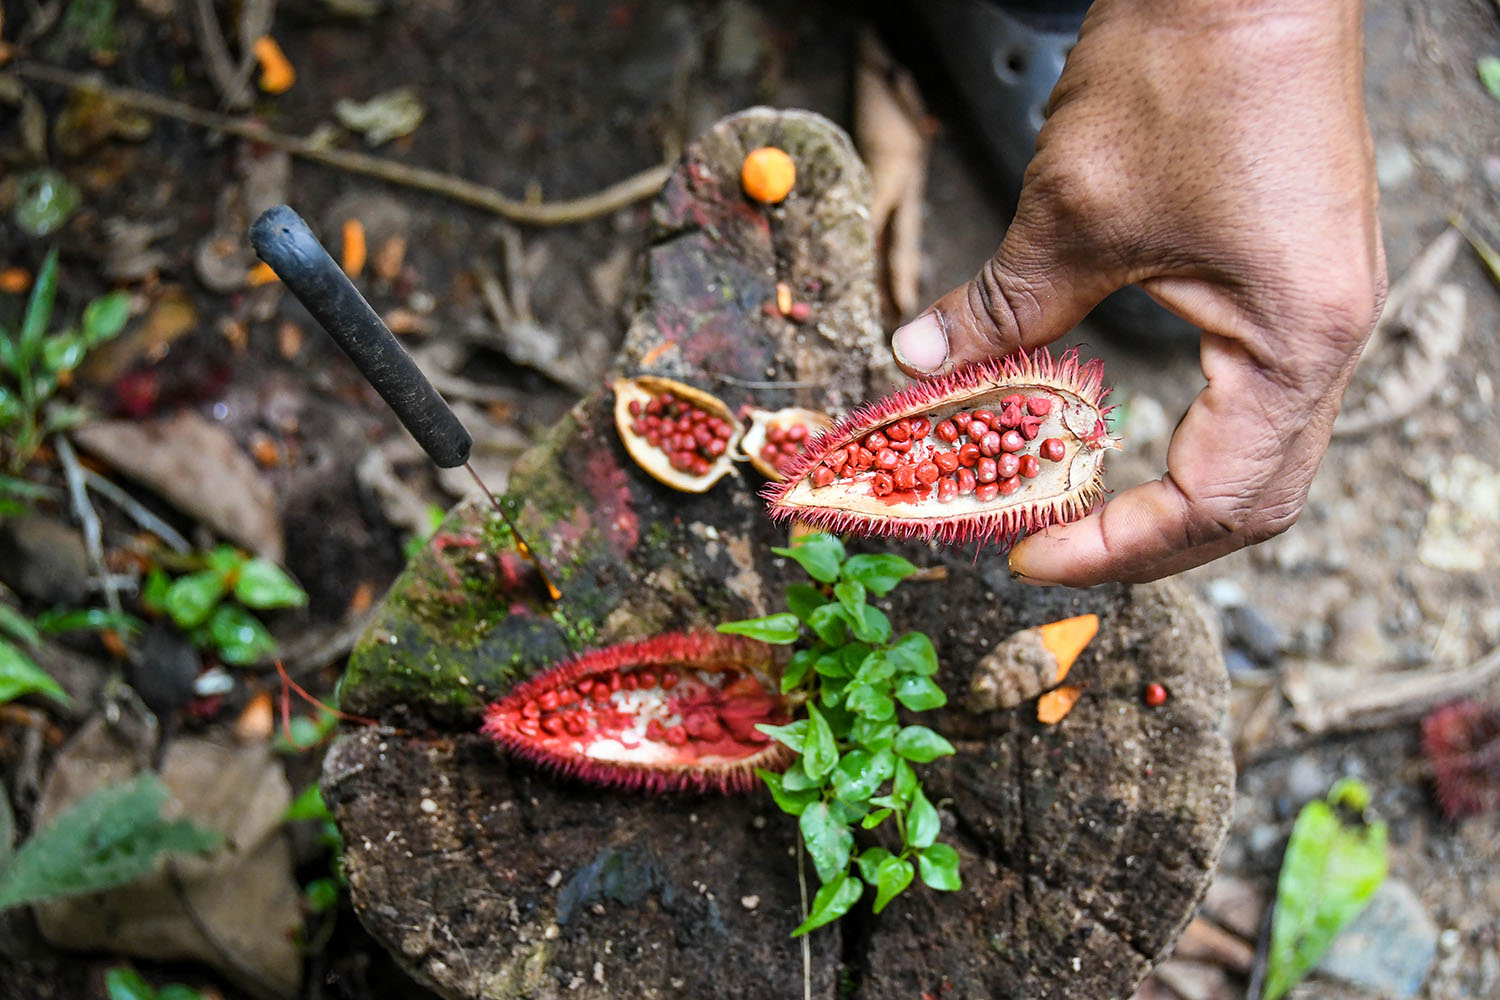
(1029, 294)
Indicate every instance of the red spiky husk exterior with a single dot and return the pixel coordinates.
(673, 713)
(1061, 489)
(1462, 744)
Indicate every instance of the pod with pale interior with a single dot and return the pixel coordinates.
(675, 712)
(777, 438)
(992, 452)
(678, 433)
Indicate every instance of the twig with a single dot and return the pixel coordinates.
(137, 512)
(806, 948)
(632, 189)
(1396, 702)
(93, 531)
(216, 58)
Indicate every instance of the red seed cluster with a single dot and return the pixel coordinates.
(979, 452)
(690, 437)
(578, 709)
(784, 442)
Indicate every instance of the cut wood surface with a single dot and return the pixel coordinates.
(1086, 845)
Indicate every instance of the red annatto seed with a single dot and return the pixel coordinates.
(700, 416)
(701, 466)
(984, 417)
(654, 406)
(1012, 441)
(703, 435)
(1053, 450)
(946, 431)
(635, 407)
(1030, 426)
(888, 459)
(1031, 466)
(655, 731)
(668, 680)
(1015, 399)
(838, 459)
(898, 431)
(531, 710)
(1039, 406)
(861, 458)
(990, 442)
(628, 681)
(902, 446)
(716, 447)
(648, 680)
(1008, 465)
(676, 736)
(1010, 417)
(947, 461)
(528, 726)
(723, 431)
(881, 484)
(614, 683)
(966, 481)
(553, 725)
(547, 700)
(576, 726)
(797, 433)
(769, 453)
(776, 434)
(799, 312)
(585, 686)
(927, 473)
(920, 427)
(822, 476)
(968, 454)
(947, 489)
(985, 492)
(1155, 695)
(876, 441)
(1009, 486)
(653, 439)
(791, 448)
(905, 477)
(977, 429)
(639, 428)
(985, 470)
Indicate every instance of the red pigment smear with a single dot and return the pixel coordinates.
(673, 713)
(610, 488)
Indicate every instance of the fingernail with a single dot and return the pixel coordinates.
(1019, 575)
(921, 344)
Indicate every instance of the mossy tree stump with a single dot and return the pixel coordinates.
(1085, 845)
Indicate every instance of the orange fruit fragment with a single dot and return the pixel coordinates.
(1057, 703)
(1065, 639)
(768, 174)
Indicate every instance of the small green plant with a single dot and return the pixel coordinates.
(322, 893)
(854, 759)
(105, 840)
(1332, 867)
(124, 983)
(213, 605)
(19, 673)
(35, 362)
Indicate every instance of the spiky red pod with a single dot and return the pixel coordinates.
(992, 452)
(676, 712)
(1462, 743)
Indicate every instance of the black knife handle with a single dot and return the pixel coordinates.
(284, 242)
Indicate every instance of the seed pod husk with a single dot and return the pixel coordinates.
(758, 446)
(640, 407)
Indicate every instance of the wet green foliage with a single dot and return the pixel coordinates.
(215, 605)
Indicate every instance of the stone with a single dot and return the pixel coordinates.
(1394, 165)
(44, 560)
(1389, 947)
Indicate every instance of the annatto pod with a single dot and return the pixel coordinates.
(989, 453)
(679, 434)
(777, 438)
(676, 712)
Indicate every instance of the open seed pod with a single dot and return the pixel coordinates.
(777, 438)
(678, 433)
(676, 712)
(989, 453)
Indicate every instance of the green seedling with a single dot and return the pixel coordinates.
(124, 983)
(20, 636)
(216, 605)
(854, 764)
(36, 361)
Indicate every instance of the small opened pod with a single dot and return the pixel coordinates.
(676, 712)
(778, 438)
(681, 435)
(992, 452)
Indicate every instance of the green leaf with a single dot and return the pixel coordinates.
(939, 867)
(919, 693)
(913, 654)
(829, 842)
(874, 734)
(306, 732)
(239, 637)
(874, 819)
(105, 840)
(308, 805)
(922, 823)
(154, 590)
(796, 669)
(905, 783)
(88, 620)
(19, 627)
(1328, 875)
(795, 779)
(1489, 74)
(802, 599)
(860, 772)
(870, 624)
(226, 559)
(62, 418)
(321, 894)
(191, 598)
(830, 623)
(920, 744)
(869, 862)
(20, 675)
(831, 665)
(892, 876)
(792, 735)
(790, 801)
(262, 584)
(178, 991)
(878, 573)
(832, 901)
(869, 701)
(819, 553)
(124, 983)
(833, 691)
(63, 352)
(778, 629)
(820, 751)
(875, 668)
(851, 595)
(105, 317)
(38, 311)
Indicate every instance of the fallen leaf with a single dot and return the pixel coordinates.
(383, 117)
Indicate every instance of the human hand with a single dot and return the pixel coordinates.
(1217, 154)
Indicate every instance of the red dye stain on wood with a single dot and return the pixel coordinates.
(676, 712)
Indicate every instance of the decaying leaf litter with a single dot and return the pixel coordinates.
(1372, 593)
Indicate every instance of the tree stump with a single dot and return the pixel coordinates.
(1086, 845)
